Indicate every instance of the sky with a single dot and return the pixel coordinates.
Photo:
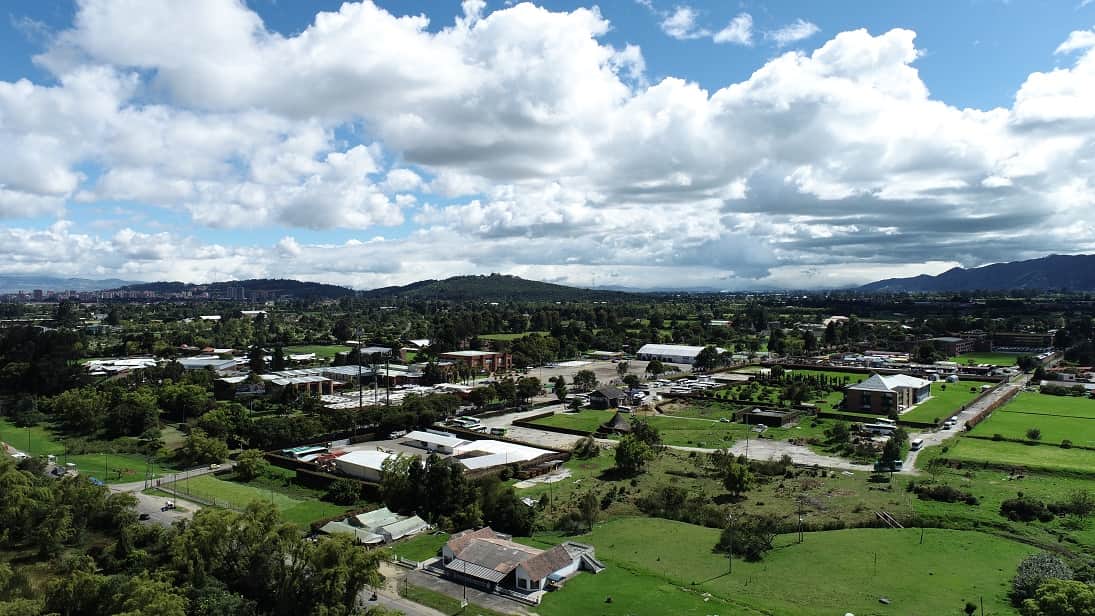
(635, 143)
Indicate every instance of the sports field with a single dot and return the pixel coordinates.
(585, 420)
(663, 567)
(996, 359)
(233, 495)
(322, 351)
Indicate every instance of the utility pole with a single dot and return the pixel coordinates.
(730, 556)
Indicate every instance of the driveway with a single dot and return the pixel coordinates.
(490, 601)
(153, 505)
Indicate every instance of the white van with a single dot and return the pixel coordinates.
(916, 444)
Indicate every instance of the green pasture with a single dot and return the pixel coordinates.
(664, 567)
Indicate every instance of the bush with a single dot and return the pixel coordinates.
(749, 536)
(943, 493)
(1033, 571)
(1066, 444)
(1025, 509)
(343, 492)
(997, 437)
(1034, 434)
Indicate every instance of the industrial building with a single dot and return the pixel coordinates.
(672, 353)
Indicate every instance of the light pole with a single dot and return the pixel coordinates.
(730, 556)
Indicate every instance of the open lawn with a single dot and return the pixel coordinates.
(587, 420)
(421, 547)
(106, 467)
(322, 351)
(508, 336)
(1048, 457)
(947, 399)
(665, 567)
(235, 495)
(996, 359)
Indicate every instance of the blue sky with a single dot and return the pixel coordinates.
(718, 144)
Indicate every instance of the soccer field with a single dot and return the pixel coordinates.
(996, 359)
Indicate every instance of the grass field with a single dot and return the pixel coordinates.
(586, 420)
(947, 399)
(421, 547)
(996, 359)
(107, 467)
(1047, 457)
(322, 351)
(1044, 404)
(508, 336)
(235, 495)
(1054, 428)
(664, 567)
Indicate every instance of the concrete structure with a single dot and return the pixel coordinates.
(952, 345)
(886, 394)
(672, 353)
(1022, 341)
(367, 465)
(489, 561)
(485, 361)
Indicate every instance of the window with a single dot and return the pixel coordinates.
(521, 583)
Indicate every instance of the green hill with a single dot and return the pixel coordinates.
(273, 286)
(495, 287)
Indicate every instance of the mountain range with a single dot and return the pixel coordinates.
(494, 287)
(1064, 272)
(13, 283)
(276, 287)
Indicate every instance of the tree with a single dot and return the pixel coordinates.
(621, 368)
(256, 359)
(184, 401)
(584, 380)
(251, 464)
(631, 380)
(528, 387)
(655, 368)
(589, 506)
(1081, 503)
(1034, 434)
(1033, 571)
(277, 361)
(343, 492)
(891, 451)
(80, 410)
(647, 433)
(200, 448)
(480, 396)
(560, 388)
(737, 477)
(838, 433)
(707, 358)
(1056, 597)
(749, 536)
(632, 454)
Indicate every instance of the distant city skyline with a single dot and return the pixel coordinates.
(640, 144)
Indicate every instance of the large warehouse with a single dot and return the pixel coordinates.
(672, 353)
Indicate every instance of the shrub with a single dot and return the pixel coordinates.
(1034, 434)
(1066, 444)
(943, 493)
(1033, 571)
(997, 437)
(1025, 509)
(749, 536)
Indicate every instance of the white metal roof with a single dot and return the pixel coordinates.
(371, 459)
(436, 439)
(674, 349)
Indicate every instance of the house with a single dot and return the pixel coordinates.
(490, 561)
(886, 394)
(606, 398)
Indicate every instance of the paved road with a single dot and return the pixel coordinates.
(936, 437)
(153, 505)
